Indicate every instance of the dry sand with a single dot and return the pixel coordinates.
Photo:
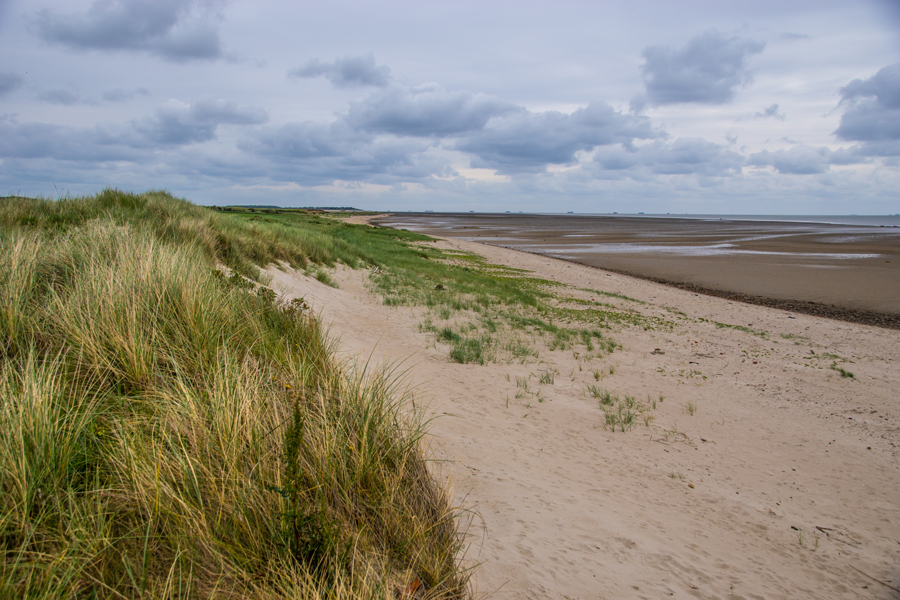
(784, 483)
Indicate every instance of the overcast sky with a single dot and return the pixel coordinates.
(755, 107)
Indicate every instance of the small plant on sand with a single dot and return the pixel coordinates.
(519, 351)
(321, 275)
(689, 407)
(547, 378)
(470, 350)
(447, 335)
(605, 397)
(844, 373)
(620, 412)
(622, 416)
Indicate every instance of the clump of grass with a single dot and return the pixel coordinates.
(470, 350)
(750, 330)
(446, 334)
(547, 378)
(605, 397)
(612, 295)
(689, 407)
(620, 412)
(519, 351)
(172, 432)
(324, 277)
(844, 373)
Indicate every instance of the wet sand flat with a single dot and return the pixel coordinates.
(851, 267)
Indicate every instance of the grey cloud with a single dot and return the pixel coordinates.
(69, 98)
(347, 72)
(63, 97)
(683, 156)
(427, 110)
(177, 124)
(793, 37)
(171, 125)
(527, 141)
(43, 140)
(9, 82)
(307, 140)
(770, 113)
(399, 127)
(707, 70)
(120, 95)
(803, 159)
(320, 153)
(177, 30)
(872, 112)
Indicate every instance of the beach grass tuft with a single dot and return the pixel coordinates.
(621, 412)
(170, 431)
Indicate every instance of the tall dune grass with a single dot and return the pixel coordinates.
(166, 433)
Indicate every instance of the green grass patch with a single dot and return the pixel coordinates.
(172, 432)
(750, 330)
(612, 295)
(470, 350)
(844, 373)
(621, 413)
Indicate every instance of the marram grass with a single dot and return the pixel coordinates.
(166, 432)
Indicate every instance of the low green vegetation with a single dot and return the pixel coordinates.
(621, 413)
(490, 304)
(745, 329)
(612, 295)
(172, 432)
(841, 370)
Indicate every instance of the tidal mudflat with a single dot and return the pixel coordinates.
(841, 270)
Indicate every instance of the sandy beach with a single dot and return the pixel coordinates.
(761, 471)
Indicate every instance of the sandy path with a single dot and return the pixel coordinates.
(784, 483)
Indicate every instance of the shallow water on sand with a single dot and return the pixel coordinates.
(847, 265)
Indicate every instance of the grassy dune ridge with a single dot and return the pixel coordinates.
(485, 312)
(169, 432)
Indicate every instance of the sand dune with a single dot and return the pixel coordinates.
(783, 483)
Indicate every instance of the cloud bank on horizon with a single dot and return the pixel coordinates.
(542, 108)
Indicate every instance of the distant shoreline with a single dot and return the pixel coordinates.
(844, 272)
(891, 220)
